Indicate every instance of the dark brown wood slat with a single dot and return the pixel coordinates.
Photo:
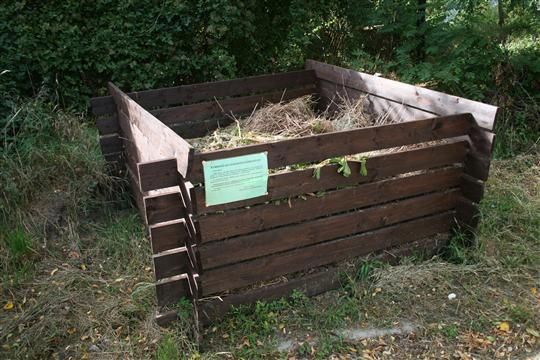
(171, 263)
(205, 91)
(249, 272)
(302, 181)
(115, 157)
(158, 174)
(244, 221)
(110, 144)
(169, 291)
(311, 285)
(215, 254)
(102, 105)
(108, 124)
(219, 108)
(157, 140)
(162, 208)
(168, 236)
(190, 130)
(482, 140)
(319, 147)
(429, 100)
(477, 166)
(472, 189)
(467, 214)
(138, 196)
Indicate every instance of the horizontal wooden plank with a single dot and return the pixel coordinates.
(283, 185)
(467, 214)
(110, 144)
(249, 272)
(219, 253)
(155, 140)
(170, 290)
(168, 236)
(114, 157)
(186, 94)
(190, 130)
(472, 189)
(171, 263)
(320, 147)
(158, 174)
(421, 98)
(211, 310)
(477, 165)
(162, 208)
(219, 108)
(108, 124)
(243, 221)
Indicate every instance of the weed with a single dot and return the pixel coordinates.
(167, 349)
(450, 331)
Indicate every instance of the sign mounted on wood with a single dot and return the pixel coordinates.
(235, 178)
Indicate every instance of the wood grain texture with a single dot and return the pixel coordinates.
(153, 139)
(167, 236)
(211, 310)
(171, 263)
(249, 272)
(258, 218)
(421, 98)
(324, 146)
(192, 93)
(237, 249)
(220, 108)
(287, 184)
(162, 208)
(472, 189)
(170, 290)
(158, 174)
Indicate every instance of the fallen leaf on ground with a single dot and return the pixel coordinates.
(532, 332)
(9, 305)
(504, 326)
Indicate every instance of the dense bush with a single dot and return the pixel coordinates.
(462, 47)
(75, 47)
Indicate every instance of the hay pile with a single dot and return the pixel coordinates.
(285, 120)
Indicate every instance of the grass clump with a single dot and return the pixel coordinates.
(44, 148)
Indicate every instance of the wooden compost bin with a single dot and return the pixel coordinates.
(213, 254)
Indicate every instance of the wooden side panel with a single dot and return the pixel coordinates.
(421, 98)
(320, 147)
(289, 184)
(219, 108)
(252, 271)
(216, 254)
(311, 285)
(243, 221)
(157, 141)
(186, 94)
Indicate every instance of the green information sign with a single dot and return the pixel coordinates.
(235, 178)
